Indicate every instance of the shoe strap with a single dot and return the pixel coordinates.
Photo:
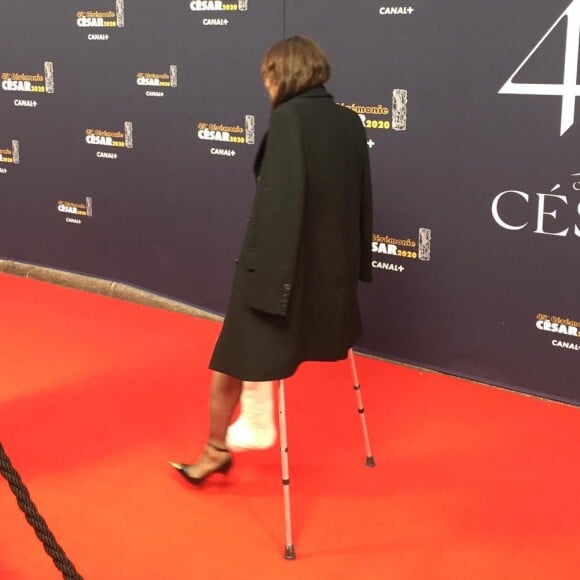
(217, 447)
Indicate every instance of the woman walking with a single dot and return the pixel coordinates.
(307, 244)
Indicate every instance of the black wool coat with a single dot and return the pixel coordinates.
(308, 243)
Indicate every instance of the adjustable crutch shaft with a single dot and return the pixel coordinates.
(289, 552)
(370, 460)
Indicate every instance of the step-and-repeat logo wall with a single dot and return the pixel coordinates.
(128, 130)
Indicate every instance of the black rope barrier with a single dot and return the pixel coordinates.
(27, 506)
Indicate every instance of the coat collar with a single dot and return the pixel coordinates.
(314, 92)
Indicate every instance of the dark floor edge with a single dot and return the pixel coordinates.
(110, 288)
(475, 379)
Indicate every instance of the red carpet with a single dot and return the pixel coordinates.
(96, 395)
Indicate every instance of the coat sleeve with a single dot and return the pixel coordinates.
(366, 220)
(278, 212)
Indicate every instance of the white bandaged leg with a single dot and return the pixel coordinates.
(254, 428)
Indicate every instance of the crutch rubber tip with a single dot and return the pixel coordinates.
(289, 553)
(370, 461)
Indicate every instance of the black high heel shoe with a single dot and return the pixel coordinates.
(222, 467)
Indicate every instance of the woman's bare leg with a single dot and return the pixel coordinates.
(224, 395)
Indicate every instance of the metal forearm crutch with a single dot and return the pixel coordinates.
(370, 460)
(289, 552)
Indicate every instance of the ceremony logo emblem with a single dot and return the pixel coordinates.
(230, 134)
(114, 140)
(569, 89)
(9, 156)
(155, 83)
(556, 213)
(102, 19)
(388, 247)
(75, 212)
(565, 333)
(34, 84)
(219, 8)
(383, 118)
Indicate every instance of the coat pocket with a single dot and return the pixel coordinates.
(250, 260)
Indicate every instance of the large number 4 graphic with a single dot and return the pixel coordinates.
(569, 89)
